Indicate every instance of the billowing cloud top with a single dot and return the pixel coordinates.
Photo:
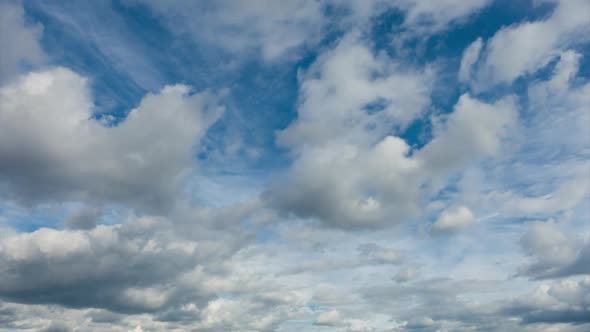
(338, 165)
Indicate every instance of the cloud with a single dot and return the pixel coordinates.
(475, 129)
(453, 220)
(64, 153)
(406, 274)
(277, 33)
(114, 222)
(562, 302)
(19, 41)
(85, 218)
(260, 26)
(355, 185)
(352, 95)
(470, 56)
(556, 253)
(108, 267)
(379, 255)
(542, 172)
(329, 318)
(437, 16)
(516, 50)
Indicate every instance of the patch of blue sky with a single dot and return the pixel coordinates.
(24, 219)
(78, 40)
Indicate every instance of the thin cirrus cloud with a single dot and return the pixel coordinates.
(255, 166)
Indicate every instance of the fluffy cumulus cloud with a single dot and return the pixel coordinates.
(64, 152)
(383, 180)
(415, 166)
(453, 219)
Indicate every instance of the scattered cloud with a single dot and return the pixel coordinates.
(338, 165)
(516, 50)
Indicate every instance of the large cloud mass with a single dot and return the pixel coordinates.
(53, 147)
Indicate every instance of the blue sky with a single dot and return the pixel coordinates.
(333, 165)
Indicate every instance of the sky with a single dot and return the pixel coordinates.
(298, 165)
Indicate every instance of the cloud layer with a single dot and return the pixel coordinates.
(348, 166)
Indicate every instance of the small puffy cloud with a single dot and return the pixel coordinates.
(452, 220)
(329, 318)
(64, 153)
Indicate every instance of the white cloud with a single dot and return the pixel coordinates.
(262, 26)
(453, 219)
(356, 184)
(473, 130)
(352, 95)
(543, 171)
(329, 318)
(470, 56)
(237, 265)
(518, 50)
(438, 15)
(63, 153)
(278, 32)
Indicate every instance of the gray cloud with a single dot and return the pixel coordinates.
(111, 267)
(85, 218)
(19, 41)
(555, 254)
(563, 302)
